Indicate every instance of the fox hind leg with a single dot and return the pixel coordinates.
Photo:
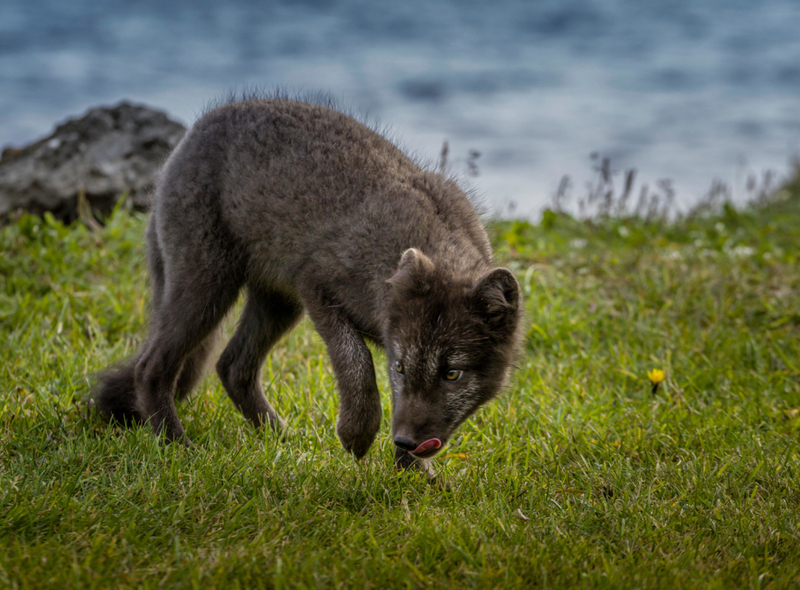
(267, 316)
(193, 301)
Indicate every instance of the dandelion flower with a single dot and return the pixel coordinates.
(656, 376)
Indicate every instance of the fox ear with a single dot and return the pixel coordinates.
(497, 297)
(412, 271)
(414, 258)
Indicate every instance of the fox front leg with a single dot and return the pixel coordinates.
(359, 398)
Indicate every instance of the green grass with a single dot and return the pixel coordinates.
(579, 475)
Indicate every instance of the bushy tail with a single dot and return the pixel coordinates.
(115, 393)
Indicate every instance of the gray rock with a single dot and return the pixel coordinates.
(105, 153)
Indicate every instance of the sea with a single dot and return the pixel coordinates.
(523, 92)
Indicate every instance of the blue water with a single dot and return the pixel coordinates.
(686, 90)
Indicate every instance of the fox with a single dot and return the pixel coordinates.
(311, 212)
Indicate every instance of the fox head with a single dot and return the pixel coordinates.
(450, 343)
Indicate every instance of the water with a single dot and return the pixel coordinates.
(679, 89)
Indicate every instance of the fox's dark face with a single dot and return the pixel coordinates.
(450, 345)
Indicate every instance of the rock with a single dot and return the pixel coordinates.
(104, 154)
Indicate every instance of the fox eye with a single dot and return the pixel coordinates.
(454, 375)
(398, 366)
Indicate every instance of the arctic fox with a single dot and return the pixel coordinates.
(309, 210)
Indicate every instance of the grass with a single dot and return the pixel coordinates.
(579, 475)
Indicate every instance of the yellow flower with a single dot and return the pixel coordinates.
(656, 376)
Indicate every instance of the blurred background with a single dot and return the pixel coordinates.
(683, 90)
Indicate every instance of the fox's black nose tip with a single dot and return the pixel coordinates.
(405, 443)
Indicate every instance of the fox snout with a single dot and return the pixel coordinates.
(417, 429)
(424, 449)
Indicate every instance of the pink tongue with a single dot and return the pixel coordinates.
(433, 443)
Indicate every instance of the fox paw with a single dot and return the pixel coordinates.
(357, 430)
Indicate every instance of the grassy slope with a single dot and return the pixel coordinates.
(579, 474)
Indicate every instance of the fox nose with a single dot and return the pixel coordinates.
(405, 443)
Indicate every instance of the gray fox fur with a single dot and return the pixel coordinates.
(309, 210)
